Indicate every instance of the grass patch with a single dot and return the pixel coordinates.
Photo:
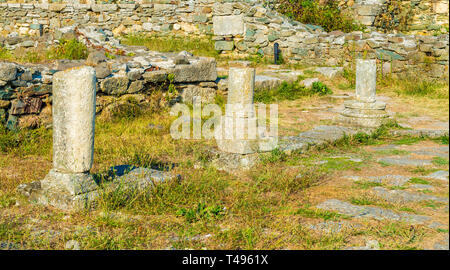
(442, 140)
(398, 235)
(327, 14)
(366, 184)
(395, 152)
(25, 142)
(201, 211)
(319, 213)
(6, 201)
(276, 155)
(422, 170)
(5, 54)
(419, 181)
(440, 161)
(194, 45)
(341, 164)
(408, 140)
(407, 209)
(290, 91)
(421, 88)
(432, 204)
(71, 49)
(361, 201)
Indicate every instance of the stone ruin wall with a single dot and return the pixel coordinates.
(425, 16)
(123, 86)
(240, 28)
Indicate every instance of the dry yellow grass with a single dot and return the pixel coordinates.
(267, 207)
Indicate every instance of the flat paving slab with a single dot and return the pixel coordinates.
(390, 179)
(405, 161)
(439, 175)
(377, 213)
(399, 196)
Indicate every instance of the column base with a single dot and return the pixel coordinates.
(67, 191)
(361, 114)
(238, 146)
(362, 122)
(252, 140)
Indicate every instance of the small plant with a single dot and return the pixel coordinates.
(362, 138)
(110, 55)
(8, 139)
(361, 201)
(321, 89)
(442, 140)
(318, 213)
(275, 156)
(6, 201)
(350, 76)
(70, 49)
(440, 161)
(420, 181)
(4, 53)
(201, 211)
(172, 90)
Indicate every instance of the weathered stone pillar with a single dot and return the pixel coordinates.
(366, 80)
(365, 111)
(69, 184)
(237, 132)
(73, 120)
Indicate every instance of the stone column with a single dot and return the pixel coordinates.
(365, 111)
(366, 80)
(238, 128)
(69, 184)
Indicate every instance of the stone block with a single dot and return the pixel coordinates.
(228, 25)
(224, 45)
(198, 71)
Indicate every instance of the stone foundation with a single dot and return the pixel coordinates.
(26, 90)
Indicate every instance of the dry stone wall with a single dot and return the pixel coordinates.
(412, 16)
(137, 79)
(242, 28)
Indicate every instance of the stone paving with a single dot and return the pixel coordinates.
(405, 196)
(377, 213)
(402, 189)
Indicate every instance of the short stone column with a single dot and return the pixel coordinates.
(365, 111)
(366, 80)
(69, 184)
(237, 132)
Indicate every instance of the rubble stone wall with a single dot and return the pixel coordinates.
(420, 16)
(123, 84)
(242, 28)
